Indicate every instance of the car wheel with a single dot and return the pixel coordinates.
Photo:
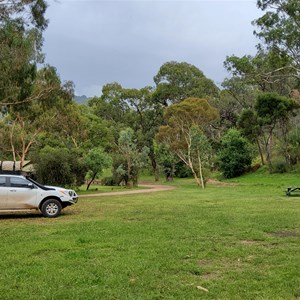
(51, 208)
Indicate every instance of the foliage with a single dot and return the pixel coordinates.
(182, 170)
(21, 25)
(166, 159)
(271, 109)
(178, 81)
(132, 158)
(58, 166)
(280, 166)
(235, 154)
(24, 12)
(267, 70)
(96, 160)
(279, 27)
(294, 146)
(184, 133)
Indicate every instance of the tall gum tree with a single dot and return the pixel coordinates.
(186, 123)
(176, 81)
(279, 27)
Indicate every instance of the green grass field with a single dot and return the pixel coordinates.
(235, 240)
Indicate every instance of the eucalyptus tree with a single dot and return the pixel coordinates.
(266, 71)
(177, 81)
(273, 110)
(111, 110)
(48, 116)
(131, 158)
(270, 112)
(29, 13)
(276, 65)
(148, 116)
(279, 28)
(96, 160)
(21, 25)
(184, 133)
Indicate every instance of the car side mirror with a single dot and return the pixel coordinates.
(30, 185)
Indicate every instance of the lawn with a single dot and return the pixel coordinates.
(235, 240)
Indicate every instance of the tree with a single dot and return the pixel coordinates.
(110, 106)
(186, 123)
(271, 114)
(96, 161)
(249, 127)
(276, 66)
(133, 158)
(146, 118)
(25, 12)
(178, 81)
(266, 71)
(279, 27)
(58, 166)
(53, 114)
(21, 25)
(272, 109)
(235, 154)
(201, 151)
(165, 158)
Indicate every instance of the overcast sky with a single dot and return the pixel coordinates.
(95, 42)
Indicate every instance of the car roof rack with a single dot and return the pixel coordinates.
(11, 167)
(12, 173)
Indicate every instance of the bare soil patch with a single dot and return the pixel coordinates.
(248, 242)
(287, 233)
(220, 183)
(148, 188)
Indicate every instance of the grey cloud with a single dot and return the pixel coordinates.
(96, 42)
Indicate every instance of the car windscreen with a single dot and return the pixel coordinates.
(45, 188)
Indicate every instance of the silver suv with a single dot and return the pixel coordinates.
(18, 193)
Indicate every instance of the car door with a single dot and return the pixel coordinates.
(3, 192)
(22, 194)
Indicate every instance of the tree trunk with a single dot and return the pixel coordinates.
(90, 182)
(154, 168)
(269, 150)
(194, 173)
(200, 170)
(260, 151)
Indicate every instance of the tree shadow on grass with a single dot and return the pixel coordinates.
(17, 215)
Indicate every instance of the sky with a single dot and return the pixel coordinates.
(95, 42)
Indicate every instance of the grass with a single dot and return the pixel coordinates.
(238, 240)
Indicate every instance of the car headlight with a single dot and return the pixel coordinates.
(65, 192)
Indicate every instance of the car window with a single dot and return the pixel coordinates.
(18, 182)
(2, 181)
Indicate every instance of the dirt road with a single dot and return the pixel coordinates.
(148, 188)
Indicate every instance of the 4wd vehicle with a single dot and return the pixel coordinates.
(18, 193)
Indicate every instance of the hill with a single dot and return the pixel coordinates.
(81, 99)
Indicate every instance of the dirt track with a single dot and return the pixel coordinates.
(148, 188)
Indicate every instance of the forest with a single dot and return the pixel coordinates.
(182, 125)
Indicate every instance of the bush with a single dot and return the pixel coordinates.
(280, 166)
(59, 166)
(110, 181)
(235, 154)
(182, 170)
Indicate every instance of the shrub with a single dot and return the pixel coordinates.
(280, 166)
(235, 154)
(58, 166)
(182, 171)
(109, 181)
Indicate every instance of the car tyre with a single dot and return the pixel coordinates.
(51, 208)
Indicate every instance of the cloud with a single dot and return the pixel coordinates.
(97, 42)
